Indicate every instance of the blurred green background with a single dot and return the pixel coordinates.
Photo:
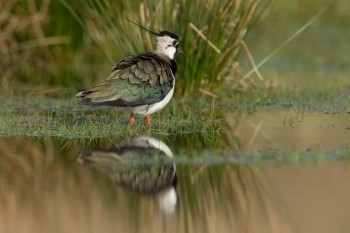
(56, 47)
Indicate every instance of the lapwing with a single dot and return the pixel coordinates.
(140, 84)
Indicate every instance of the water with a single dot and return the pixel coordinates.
(182, 183)
(291, 129)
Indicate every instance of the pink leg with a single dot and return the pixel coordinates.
(132, 120)
(148, 120)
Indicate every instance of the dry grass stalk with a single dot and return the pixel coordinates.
(27, 22)
(194, 28)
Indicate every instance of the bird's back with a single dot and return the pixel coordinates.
(143, 79)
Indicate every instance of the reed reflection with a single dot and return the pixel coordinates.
(142, 165)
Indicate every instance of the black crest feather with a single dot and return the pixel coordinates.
(161, 33)
(144, 28)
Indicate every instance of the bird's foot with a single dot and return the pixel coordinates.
(132, 120)
(148, 120)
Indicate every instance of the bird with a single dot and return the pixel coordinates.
(140, 84)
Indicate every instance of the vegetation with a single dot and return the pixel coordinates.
(56, 47)
(26, 40)
(96, 34)
(212, 34)
(105, 123)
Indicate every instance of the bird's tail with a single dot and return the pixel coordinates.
(82, 97)
(81, 93)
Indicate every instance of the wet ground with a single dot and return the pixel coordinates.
(184, 182)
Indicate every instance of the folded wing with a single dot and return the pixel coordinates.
(138, 80)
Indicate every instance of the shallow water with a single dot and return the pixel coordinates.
(291, 129)
(183, 183)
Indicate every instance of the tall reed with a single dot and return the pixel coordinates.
(212, 33)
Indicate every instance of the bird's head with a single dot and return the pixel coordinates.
(167, 42)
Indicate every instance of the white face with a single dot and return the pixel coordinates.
(166, 45)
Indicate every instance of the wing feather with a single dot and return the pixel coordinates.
(138, 80)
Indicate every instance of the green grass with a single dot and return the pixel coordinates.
(32, 116)
(317, 100)
(331, 100)
(103, 123)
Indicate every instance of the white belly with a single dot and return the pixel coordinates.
(149, 109)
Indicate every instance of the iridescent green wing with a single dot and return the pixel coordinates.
(138, 80)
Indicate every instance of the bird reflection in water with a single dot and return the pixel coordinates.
(142, 164)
